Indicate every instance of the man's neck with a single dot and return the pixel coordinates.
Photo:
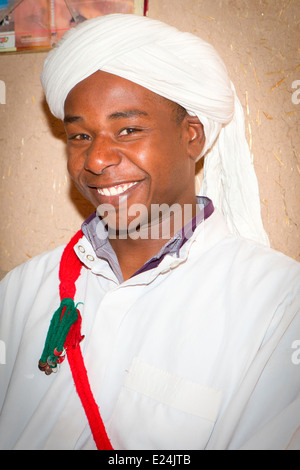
(134, 251)
(132, 254)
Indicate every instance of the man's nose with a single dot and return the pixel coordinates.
(101, 154)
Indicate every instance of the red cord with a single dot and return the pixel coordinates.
(69, 270)
(70, 267)
(83, 388)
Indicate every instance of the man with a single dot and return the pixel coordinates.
(189, 330)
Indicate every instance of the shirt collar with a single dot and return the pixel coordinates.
(104, 250)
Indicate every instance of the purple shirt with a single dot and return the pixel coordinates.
(104, 250)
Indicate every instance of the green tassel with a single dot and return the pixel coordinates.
(61, 322)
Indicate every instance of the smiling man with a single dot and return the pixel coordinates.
(133, 336)
(127, 148)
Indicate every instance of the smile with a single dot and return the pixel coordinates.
(116, 190)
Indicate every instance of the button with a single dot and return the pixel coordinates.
(81, 249)
(90, 257)
(165, 271)
(174, 264)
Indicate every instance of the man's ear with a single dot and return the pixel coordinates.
(196, 136)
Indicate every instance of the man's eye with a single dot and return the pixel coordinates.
(128, 131)
(79, 137)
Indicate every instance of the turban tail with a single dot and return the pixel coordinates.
(182, 68)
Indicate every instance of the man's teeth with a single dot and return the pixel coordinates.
(115, 190)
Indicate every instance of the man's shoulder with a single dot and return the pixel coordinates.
(267, 256)
(261, 261)
(36, 268)
(243, 260)
(35, 282)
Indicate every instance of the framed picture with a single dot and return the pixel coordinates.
(38, 24)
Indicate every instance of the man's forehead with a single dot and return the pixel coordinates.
(127, 99)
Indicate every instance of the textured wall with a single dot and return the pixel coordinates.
(259, 42)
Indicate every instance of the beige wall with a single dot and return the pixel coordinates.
(259, 42)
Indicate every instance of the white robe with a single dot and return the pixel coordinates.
(202, 352)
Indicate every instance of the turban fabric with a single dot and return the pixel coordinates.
(182, 68)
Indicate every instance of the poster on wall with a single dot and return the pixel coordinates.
(38, 24)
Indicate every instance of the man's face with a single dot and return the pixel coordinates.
(125, 144)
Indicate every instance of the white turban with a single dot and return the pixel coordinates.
(180, 67)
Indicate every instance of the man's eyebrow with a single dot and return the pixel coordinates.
(69, 119)
(127, 114)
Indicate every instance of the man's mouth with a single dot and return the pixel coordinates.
(117, 189)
